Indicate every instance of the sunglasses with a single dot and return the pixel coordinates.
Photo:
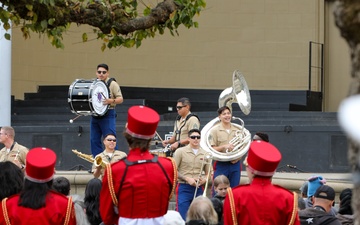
(180, 107)
(103, 72)
(109, 139)
(195, 137)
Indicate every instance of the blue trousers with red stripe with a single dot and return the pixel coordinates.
(184, 197)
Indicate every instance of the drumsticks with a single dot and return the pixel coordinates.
(72, 120)
(103, 95)
(157, 134)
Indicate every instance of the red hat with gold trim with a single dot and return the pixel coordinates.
(263, 158)
(40, 165)
(142, 122)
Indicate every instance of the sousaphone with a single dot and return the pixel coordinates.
(238, 93)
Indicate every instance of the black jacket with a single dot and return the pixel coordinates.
(317, 217)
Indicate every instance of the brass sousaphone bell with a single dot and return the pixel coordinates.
(238, 93)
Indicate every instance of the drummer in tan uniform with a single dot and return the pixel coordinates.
(185, 121)
(221, 135)
(109, 155)
(12, 151)
(189, 161)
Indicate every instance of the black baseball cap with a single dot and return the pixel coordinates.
(325, 192)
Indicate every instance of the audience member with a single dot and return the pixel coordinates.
(11, 179)
(106, 124)
(185, 121)
(109, 155)
(221, 184)
(303, 196)
(201, 212)
(37, 203)
(191, 162)
(81, 218)
(314, 182)
(12, 151)
(92, 201)
(301, 203)
(345, 213)
(221, 136)
(320, 212)
(260, 200)
(304, 189)
(173, 217)
(141, 185)
(61, 185)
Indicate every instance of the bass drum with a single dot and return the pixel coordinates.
(86, 97)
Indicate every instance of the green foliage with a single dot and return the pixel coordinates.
(32, 19)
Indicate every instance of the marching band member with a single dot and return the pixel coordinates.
(12, 151)
(191, 162)
(140, 186)
(109, 155)
(106, 124)
(260, 201)
(221, 135)
(185, 121)
(37, 203)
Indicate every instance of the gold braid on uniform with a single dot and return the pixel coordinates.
(175, 177)
(6, 216)
(111, 184)
(68, 211)
(232, 205)
(295, 209)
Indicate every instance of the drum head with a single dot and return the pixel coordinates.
(99, 92)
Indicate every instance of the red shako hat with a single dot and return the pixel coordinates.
(142, 122)
(40, 165)
(263, 158)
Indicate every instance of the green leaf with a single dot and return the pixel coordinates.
(147, 11)
(44, 24)
(103, 47)
(6, 26)
(29, 7)
(51, 21)
(7, 36)
(84, 37)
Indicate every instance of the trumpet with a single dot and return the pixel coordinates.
(207, 160)
(97, 161)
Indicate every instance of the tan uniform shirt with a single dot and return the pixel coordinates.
(191, 123)
(18, 150)
(220, 136)
(115, 91)
(116, 156)
(189, 164)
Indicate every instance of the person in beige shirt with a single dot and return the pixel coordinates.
(185, 121)
(221, 135)
(109, 155)
(194, 165)
(12, 151)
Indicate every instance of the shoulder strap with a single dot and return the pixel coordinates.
(295, 209)
(232, 205)
(5, 213)
(111, 184)
(68, 211)
(186, 119)
(109, 81)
